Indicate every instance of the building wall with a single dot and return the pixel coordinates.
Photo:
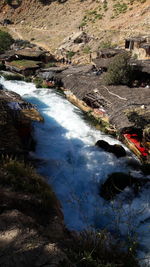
(141, 53)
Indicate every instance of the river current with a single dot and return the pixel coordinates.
(76, 168)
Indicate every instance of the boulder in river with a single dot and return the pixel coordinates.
(118, 181)
(116, 149)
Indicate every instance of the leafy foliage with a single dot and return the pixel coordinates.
(92, 248)
(119, 70)
(8, 2)
(70, 54)
(120, 8)
(86, 49)
(107, 44)
(16, 77)
(22, 177)
(5, 41)
(2, 66)
(38, 82)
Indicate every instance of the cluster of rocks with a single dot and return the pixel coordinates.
(16, 116)
(116, 149)
(117, 182)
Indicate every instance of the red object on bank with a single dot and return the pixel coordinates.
(133, 138)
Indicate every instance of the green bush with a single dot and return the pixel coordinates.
(5, 41)
(82, 24)
(106, 44)
(16, 77)
(50, 64)
(119, 70)
(86, 49)
(38, 82)
(22, 177)
(120, 8)
(70, 54)
(9, 2)
(2, 66)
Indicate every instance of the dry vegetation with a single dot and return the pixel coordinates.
(50, 23)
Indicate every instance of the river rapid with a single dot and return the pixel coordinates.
(76, 168)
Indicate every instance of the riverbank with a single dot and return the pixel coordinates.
(119, 110)
(41, 237)
(31, 217)
(31, 220)
(116, 109)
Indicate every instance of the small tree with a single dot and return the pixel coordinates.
(119, 70)
(8, 2)
(5, 41)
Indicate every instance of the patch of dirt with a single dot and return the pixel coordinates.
(28, 237)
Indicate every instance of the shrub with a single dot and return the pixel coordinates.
(22, 177)
(2, 66)
(38, 82)
(70, 54)
(50, 64)
(9, 2)
(28, 79)
(106, 44)
(119, 70)
(92, 248)
(16, 77)
(120, 8)
(86, 49)
(5, 41)
(82, 24)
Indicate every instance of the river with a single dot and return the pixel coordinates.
(76, 168)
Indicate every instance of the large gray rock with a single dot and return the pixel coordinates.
(47, 75)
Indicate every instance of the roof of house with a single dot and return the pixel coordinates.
(29, 53)
(145, 45)
(136, 39)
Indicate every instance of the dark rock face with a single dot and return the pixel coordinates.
(16, 131)
(1, 87)
(116, 149)
(103, 144)
(117, 182)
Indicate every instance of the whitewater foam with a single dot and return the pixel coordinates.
(75, 168)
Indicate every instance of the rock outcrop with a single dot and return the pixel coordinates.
(31, 221)
(116, 149)
(16, 116)
(117, 182)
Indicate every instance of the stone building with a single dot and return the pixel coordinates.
(139, 46)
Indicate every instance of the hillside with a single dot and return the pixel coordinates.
(48, 24)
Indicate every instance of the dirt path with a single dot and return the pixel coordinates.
(48, 39)
(15, 33)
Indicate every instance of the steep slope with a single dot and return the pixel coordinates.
(49, 24)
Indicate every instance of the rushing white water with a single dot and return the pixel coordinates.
(75, 168)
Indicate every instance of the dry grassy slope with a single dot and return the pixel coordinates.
(50, 24)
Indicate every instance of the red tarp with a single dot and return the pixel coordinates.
(133, 138)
